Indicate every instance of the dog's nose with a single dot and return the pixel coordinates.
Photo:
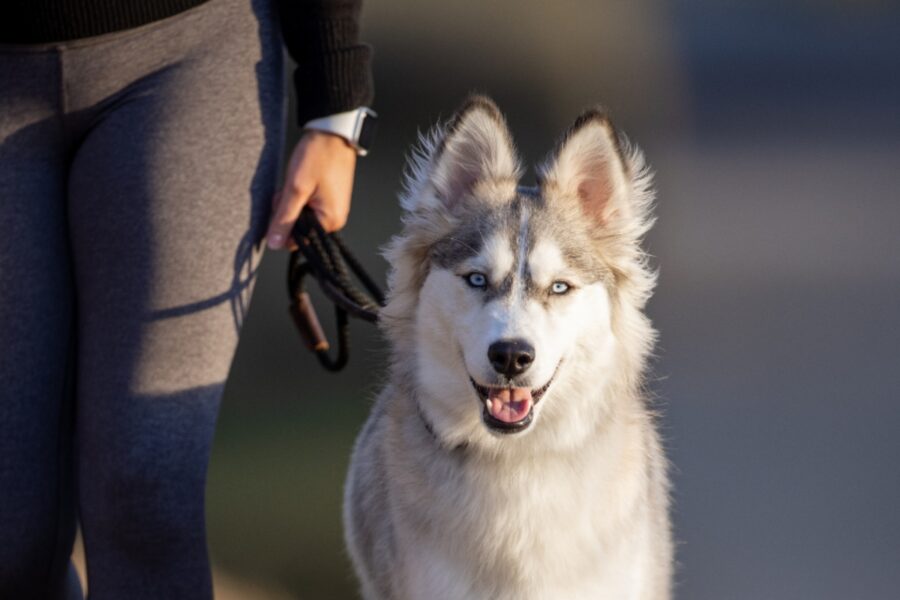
(511, 357)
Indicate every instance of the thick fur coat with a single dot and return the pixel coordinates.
(512, 454)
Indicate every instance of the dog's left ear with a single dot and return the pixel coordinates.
(473, 149)
(587, 165)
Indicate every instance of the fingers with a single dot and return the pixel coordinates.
(331, 202)
(320, 174)
(288, 204)
(290, 244)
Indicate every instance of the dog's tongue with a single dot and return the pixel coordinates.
(509, 405)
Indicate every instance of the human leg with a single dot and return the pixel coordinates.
(37, 510)
(168, 196)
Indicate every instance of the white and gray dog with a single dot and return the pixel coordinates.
(512, 454)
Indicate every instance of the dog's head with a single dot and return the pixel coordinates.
(516, 310)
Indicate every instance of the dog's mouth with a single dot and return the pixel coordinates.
(509, 409)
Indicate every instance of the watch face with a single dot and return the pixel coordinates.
(367, 132)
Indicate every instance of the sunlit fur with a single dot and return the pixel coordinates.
(439, 506)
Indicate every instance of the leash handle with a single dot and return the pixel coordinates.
(326, 258)
(307, 322)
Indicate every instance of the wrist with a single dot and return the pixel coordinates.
(326, 138)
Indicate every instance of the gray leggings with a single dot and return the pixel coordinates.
(136, 171)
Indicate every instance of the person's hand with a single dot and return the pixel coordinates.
(320, 173)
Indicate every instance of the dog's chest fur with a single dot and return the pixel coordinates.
(568, 525)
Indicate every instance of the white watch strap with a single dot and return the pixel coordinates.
(346, 124)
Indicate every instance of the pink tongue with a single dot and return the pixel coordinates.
(510, 405)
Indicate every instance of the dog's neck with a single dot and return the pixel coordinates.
(429, 428)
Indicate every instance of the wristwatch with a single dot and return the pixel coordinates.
(356, 126)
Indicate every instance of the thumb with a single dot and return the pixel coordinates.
(288, 207)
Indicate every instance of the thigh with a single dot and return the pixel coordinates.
(36, 300)
(168, 197)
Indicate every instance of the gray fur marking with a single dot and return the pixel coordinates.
(464, 243)
(467, 241)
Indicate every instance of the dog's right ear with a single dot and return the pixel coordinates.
(588, 166)
(474, 148)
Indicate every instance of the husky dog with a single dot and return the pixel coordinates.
(512, 455)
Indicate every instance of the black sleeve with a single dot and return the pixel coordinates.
(334, 72)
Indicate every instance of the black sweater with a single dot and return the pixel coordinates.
(333, 67)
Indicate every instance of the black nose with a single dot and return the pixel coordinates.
(511, 357)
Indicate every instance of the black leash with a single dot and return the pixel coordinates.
(327, 259)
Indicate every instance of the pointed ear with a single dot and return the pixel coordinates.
(588, 165)
(472, 149)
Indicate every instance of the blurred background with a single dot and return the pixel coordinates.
(774, 129)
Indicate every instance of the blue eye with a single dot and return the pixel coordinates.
(476, 279)
(559, 287)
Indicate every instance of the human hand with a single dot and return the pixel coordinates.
(320, 173)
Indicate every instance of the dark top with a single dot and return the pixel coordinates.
(333, 67)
